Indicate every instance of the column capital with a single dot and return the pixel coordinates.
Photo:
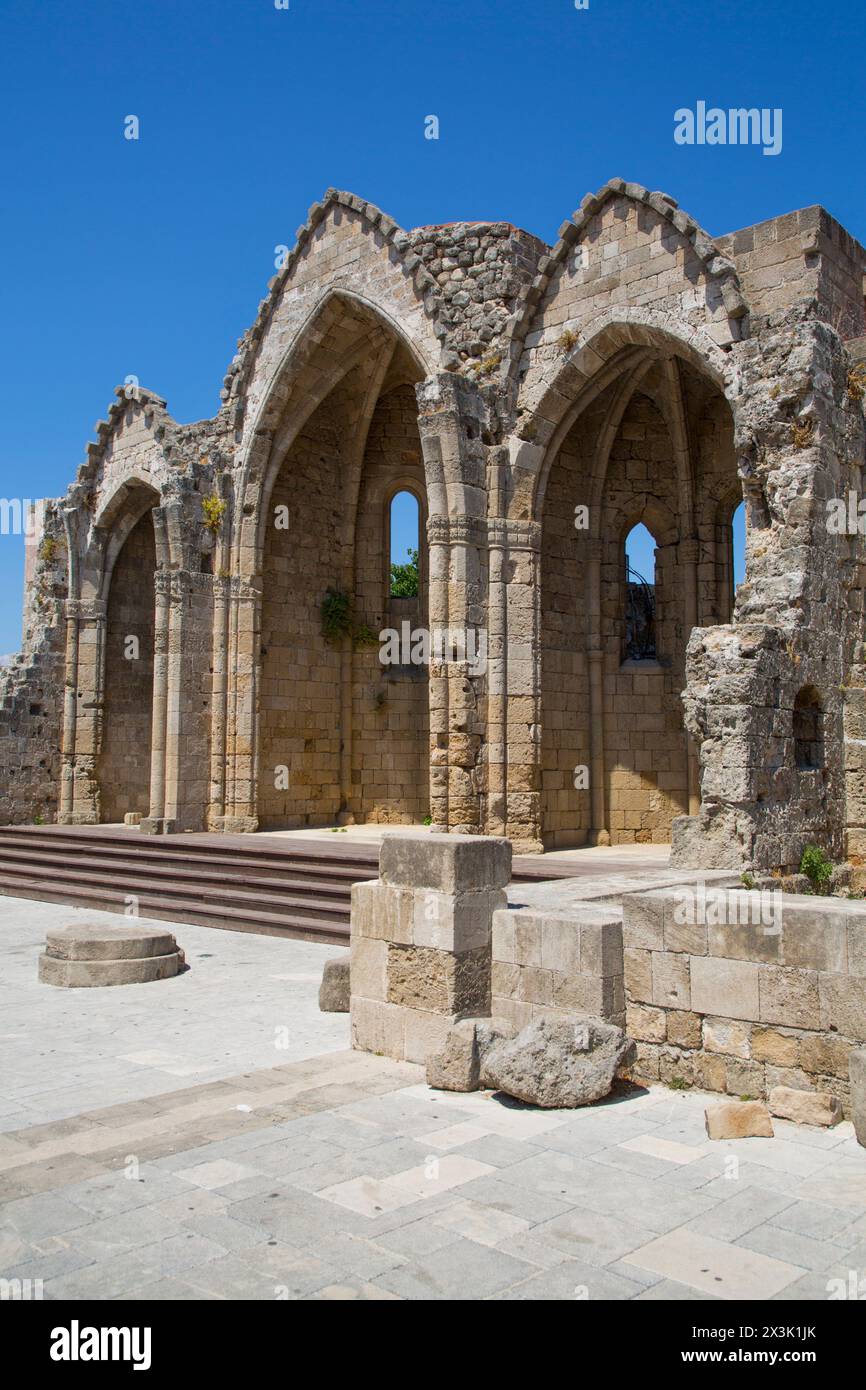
(87, 610)
(514, 534)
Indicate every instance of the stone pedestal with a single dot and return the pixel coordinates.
(85, 955)
(421, 941)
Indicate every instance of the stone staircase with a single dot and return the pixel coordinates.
(236, 882)
(256, 883)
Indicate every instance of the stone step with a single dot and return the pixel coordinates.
(128, 879)
(166, 907)
(200, 872)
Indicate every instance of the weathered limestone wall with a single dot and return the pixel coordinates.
(300, 701)
(744, 1008)
(31, 688)
(124, 764)
(390, 778)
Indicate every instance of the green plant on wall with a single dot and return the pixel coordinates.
(213, 510)
(817, 868)
(338, 621)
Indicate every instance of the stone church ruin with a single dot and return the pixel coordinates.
(538, 403)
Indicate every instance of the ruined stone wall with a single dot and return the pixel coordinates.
(31, 687)
(390, 705)
(749, 1003)
(124, 763)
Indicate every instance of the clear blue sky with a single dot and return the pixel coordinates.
(150, 257)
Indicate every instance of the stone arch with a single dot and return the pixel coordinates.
(312, 458)
(717, 272)
(342, 332)
(626, 445)
(131, 555)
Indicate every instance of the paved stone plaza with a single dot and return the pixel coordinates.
(170, 1141)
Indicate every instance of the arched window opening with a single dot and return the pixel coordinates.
(808, 729)
(738, 539)
(405, 543)
(640, 605)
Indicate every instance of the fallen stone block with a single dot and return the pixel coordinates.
(88, 955)
(857, 1073)
(557, 1064)
(739, 1119)
(459, 1065)
(805, 1107)
(334, 990)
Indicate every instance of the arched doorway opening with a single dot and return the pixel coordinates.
(340, 736)
(636, 551)
(123, 766)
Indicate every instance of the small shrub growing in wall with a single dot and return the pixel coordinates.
(801, 433)
(213, 510)
(567, 341)
(817, 868)
(48, 550)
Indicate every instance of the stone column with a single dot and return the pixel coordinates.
(523, 686)
(84, 731)
(421, 941)
(155, 822)
(244, 658)
(599, 833)
(688, 558)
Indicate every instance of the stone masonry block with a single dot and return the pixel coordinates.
(560, 944)
(789, 997)
(425, 1034)
(816, 940)
(638, 966)
(727, 1037)
(439, 982)
(643, 921)
(725, 988)
(503, 936)
(671, 980)
(744, 942)
(454, 922)
(450, 863)
(601, 950)
(381, 913)
(378, 1027)
(843, 1005)
(369, 977)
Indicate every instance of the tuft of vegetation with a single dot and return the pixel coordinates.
(490, 364)
(213, 510)
(801, 433)
(428, 820)
(678, 1083)
(857, 382)
(747, 880)
(817, 868)
(566, 341)
(48, 550)
(338, 621)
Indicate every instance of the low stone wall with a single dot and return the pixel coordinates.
(740, 992)
(557, 965)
